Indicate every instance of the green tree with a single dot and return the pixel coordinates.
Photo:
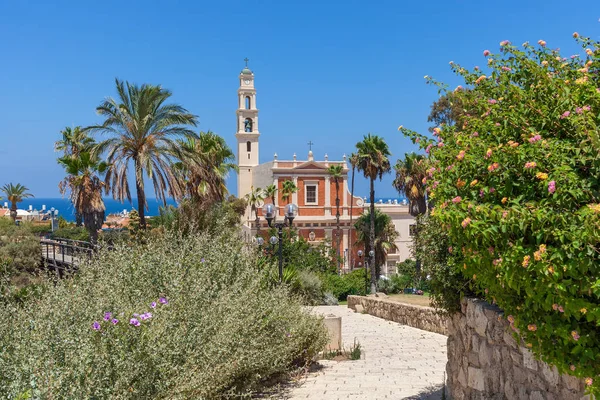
(270, 193)
(447, 110)
(254, 199)
(336, 172)
(205, 165)
(143, 131)
(85, 189)
(373, 160)
(15, 194)
(516, 190)
(287, 189)
(385, 237)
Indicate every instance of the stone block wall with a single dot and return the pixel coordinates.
(420, 317)
(485, 361)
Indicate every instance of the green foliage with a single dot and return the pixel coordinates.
(516, 187)
(194, 217)
(19, 248)
(355, 351)
(223, 332)
(345, 285)
(39, 229)
(72, 233)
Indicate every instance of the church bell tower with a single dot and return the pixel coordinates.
(247, 131)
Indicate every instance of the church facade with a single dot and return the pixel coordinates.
(317, 190)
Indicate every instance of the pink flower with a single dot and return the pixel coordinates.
(572, 367)
(504, 43)
(579, 110)
(466, 222)
(441, 144)
(551, 187)
(497, 124)
(504, 214)
(511, 319)
(417, 140)
(493, 167)
(561, 309)
(492, 101)
(134, 322)
(542, 43)
(450, 249)
(449, 167)
(575, 335)
(456, 200)
(555, 306)
(530, 165)
(492, 190)
(486, 53)
(535, 138)
(481, 193)
(497, 261)
(488, 154)
(428, 148)
(506, 69)
(565, 115)
(435, 184)
(491, 250)
(589, 381)
(586, 108)
(532, 327)
(475, 134)
(461, 155)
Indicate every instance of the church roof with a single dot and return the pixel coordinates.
(246, 71)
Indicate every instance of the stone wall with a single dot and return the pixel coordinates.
(485, 361)
(419, 317)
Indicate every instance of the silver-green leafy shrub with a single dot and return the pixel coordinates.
(220, 330)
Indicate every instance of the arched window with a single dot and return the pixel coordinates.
(248, 103)
(248, 125)
(248, 146)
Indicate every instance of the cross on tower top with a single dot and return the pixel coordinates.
(310, 145)
(246, 60)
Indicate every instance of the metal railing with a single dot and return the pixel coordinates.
(65, 252)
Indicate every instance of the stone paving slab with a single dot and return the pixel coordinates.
(399, 362)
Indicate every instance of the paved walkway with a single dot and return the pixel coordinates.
(399, 362)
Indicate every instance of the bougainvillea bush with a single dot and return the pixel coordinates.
(515, 186)
(176, 318)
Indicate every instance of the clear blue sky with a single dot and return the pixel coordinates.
(326, 71)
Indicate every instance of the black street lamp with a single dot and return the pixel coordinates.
(290, 212)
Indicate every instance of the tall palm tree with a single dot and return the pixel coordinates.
(73, 142)
(287, 189)
(271, 192)
(385, 236)
(410, 177)
(85, 189)
(254, 199)
(336, 171)
(143, 131)
(15, 194)
(373, 160)
(204, 167)
(353, 162)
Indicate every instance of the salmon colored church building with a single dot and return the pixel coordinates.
(316, 195)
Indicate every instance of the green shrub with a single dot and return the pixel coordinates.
(71, 233)
(345, 285)
(224, 331)
(402, 282)
(19, 249)
(309, 287)
(388, 286)
(516, 190)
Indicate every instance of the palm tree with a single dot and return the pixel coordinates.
(270, 193)
(385, 236)
(353, 162)
(74, 141)
(335, 171)
(15, 194)
(143, 131)
(287, 189)
(206, 163)
(86, 189)
(410, 177)
(254, 199)
(373, 160)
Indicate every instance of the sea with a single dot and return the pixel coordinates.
(65, 207)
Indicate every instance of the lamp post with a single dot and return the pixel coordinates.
(53, 215)
(360, 256)
(371, 255)
(290, 212)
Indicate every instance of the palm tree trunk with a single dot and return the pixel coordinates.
(350, 255)
(141, 198)
(372, 239)
(13, 211)
(78, 219)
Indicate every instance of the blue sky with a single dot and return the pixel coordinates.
(326, 71)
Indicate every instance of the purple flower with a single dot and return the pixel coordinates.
(107, 316)
(114, 321)
(146, 316)
(96, 326)
(153, 304)
(162, 300)
(202, 260)
(134, 322)
(586, 108)
(579, 110)
(136, 315)
(287, 334)
(551, 187)
(565, 115)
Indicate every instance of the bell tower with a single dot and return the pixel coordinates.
(247, 131)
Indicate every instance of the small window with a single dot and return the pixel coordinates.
(248, 103)
(412, 230)
(248, 125)
(311, 194)
(248, 156)
(248, 146)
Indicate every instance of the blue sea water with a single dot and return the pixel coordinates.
(65, 207)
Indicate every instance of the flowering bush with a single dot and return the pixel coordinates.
(174, 318)
(516, 189)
